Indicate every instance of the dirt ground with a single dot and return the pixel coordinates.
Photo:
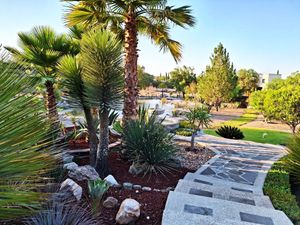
(224, 115)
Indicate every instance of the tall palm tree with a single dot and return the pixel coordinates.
(101, 65)
(41, 49)
(128, 18)
(71, 71)
(25, 149)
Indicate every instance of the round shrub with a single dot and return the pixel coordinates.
(230, 132)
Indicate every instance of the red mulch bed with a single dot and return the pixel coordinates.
(152, 203)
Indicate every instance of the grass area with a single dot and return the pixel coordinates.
(260, 135)
(277, 187)
(248, 116)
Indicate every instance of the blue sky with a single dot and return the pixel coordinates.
(259, 34)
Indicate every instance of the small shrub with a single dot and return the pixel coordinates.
(184, 132)
(230, 132)
(185, 124)
(63, 214)
(164, 101)
(97, 189)
(149, 144)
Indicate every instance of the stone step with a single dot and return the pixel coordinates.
(224, 193)
(220, 210)
(177, 218)
(223, 183)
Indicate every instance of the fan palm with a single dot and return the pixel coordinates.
(102, 67)
(127, 18)
(25, 149)
(41, 49)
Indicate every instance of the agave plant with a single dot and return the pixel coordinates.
(230, 132)
(149, 144)
(97, 189)
(294, 155)
(26, 146)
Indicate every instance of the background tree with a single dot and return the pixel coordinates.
(127, 19)
(102, 68)
(191, 91)
(144, 79)
(41, 49)
(248, 80)
(219, 80)
(182, 77)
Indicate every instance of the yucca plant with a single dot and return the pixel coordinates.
(26, 147)
(230, 132)
(97, 188)
(149, 144)
(58, 213)
(294, 156)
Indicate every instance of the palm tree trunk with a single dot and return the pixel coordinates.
(93, 139)
(131, 56)
(102, 154)
(51, 103)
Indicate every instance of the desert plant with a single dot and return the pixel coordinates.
(230, 132)
(97, 189)
(26, 146)
(149, 144)
(184, 132)
(58, 213)
(294, 156)
(199, 118)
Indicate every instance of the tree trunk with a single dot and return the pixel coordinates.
(93, 139)
(102, 154)
(51, 103)
(193, 140)
(131, 56)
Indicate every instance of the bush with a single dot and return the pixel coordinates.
(149, 144)
(277, 187)
(184, 132)
(230, 132)
(294, 156)
(185, 124)
(97, 189)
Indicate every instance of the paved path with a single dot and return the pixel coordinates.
(227, 190)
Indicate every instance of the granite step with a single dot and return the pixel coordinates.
(224, 193)
(218, 210)
(216, 182)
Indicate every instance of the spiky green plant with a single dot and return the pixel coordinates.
(97, 188)
(230, 132)
(294, 155)
(26, 149)
(149, 144)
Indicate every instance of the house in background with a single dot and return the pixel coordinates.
(266, 78)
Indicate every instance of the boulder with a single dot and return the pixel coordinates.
(84, 173)
(71, 186)
(136, 169)
(67, 158)
(71, 166)
(110, 203)
(111, 181)
(129, 211)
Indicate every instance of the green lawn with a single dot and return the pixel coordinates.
(247, 117)
(256, 135)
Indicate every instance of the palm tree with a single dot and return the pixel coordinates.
(71, 72)
(128, 18)
(102, 68)
(41, 49)
(25, 149)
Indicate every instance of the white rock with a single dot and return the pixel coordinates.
(72, 186)
(84, 173)
(71, 166)
(111, 181)
(130, 211)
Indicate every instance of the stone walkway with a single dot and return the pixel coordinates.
(228, 189)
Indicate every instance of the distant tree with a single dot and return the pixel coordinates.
(144, 79)
(182, 77)
(191, 91)
(281, 101)
(248, 80)
(218, 82)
